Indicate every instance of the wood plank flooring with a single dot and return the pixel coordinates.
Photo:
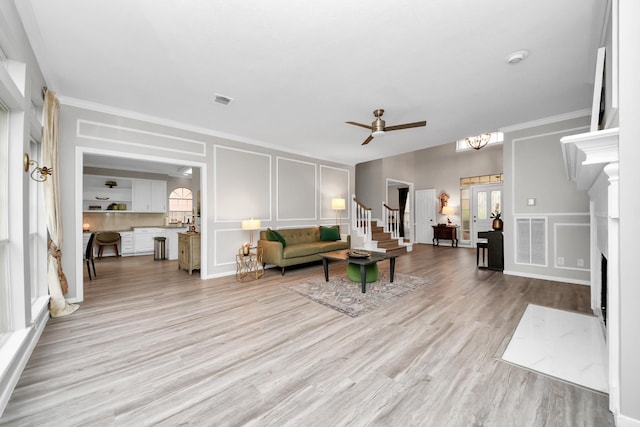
(151, 345)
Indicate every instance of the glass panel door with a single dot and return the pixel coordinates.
(485, 200)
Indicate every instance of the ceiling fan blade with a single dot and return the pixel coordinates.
(406, 126)
(359, 124)
(368, 140)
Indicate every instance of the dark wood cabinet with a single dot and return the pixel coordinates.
(495, 246)
(445, 232)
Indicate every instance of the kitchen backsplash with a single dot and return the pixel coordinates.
(105, 221)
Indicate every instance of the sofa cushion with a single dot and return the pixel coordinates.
(273, 236)
(301, 249)
(330, 234)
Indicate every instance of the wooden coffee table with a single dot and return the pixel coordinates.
(342, 255)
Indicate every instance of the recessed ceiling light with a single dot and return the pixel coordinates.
(221, 99)
(516, 56)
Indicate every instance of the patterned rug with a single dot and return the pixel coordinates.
(345, 296)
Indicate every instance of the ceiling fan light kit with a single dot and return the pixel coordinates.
(378, 126)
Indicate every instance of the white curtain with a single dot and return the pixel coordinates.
(57, 281)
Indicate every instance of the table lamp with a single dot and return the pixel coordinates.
(448, 210)
(338, 205)
(251, 224)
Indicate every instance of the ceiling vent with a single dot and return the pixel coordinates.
(221, 99)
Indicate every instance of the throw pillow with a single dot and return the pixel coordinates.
(330, 234)
(273, 235)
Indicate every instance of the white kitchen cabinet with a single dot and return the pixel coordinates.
(126, 243)
(143, 239)
(149, 195)
(172, 241)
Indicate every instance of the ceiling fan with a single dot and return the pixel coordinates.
(378, 127)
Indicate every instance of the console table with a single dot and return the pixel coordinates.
(445, 232)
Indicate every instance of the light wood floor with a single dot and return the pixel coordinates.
(151, 345)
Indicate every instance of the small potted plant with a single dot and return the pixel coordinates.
(497, 221)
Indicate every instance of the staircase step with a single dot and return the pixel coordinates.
(392, 243)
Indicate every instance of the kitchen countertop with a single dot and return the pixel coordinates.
(122, 230)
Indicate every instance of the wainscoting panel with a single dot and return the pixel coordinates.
(334, 183)
(296, 190)
(242, 185)
(129, 136)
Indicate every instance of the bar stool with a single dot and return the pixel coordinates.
(107, 238)
(484, 245)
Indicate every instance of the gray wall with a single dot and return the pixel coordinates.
(439, 167)
(534, 168)
(238, 181)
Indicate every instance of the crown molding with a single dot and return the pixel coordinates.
(546, 121)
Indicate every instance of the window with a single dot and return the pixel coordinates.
(180, 205)
(5, 305)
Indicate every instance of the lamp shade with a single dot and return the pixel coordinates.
(448, 210)
(251, 224)
(338, 204)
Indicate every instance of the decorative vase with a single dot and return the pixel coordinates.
(497, 224)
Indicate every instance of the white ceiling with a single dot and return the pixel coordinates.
(297, 70)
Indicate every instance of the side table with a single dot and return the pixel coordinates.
(249, 265)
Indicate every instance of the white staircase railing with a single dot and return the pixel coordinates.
(391, 220)
(361, 223)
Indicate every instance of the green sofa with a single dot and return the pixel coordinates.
(302, 245)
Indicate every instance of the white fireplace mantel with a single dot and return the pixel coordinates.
(586, 154)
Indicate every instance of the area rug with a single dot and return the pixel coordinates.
(561, 344)
(345, 296)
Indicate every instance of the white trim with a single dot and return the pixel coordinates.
(624, 421)
(523, 215)
(546, 121)
(547, 277)
(181, 148)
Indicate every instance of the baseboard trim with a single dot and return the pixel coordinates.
(545, 277)
(624, 421)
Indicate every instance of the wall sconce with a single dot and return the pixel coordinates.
(338, 205)
(251, 224)
(38, 173)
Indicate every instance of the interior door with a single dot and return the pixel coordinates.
(485, 200)
(425, 203)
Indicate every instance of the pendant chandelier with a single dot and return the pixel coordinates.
(477, 142)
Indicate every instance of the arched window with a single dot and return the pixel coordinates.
(180, 205)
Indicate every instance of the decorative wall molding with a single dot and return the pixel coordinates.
(305, 184)
(241, 192)
(329, 190)
(129, 136)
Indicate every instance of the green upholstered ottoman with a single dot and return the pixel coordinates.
(353, 272)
